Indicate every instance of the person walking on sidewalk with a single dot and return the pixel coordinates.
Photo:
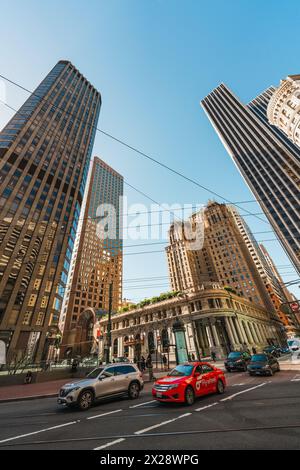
(213, 356)
(149, 366)
(165, 362)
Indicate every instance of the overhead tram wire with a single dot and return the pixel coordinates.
(134, 149)
(142, 154)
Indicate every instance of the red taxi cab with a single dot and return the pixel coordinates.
(188, 381)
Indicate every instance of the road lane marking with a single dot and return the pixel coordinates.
(237, 385)
(112, 443)
(207, 406)
(244, 391)
(37, 432)
(104, 414)
(142, 431)
(142, 404)
(296, 378)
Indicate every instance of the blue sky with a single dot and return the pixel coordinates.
(153, 61)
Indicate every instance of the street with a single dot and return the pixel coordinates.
(253, 413)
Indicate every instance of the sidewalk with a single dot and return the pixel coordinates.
(46, 389)
(31, 391)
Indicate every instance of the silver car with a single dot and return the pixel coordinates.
(103, 382)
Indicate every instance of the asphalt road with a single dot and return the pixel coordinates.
(253, 413)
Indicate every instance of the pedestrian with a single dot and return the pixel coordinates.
(165, 362)
(254, 350)
(143, 364)
(149, 365)
(28, 377)
(213, 356)
(193, 357)
(74, 365)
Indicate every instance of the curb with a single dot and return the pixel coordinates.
(32, 397)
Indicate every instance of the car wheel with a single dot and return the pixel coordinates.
(189, 396)
(133, 391)
(220, 387)
(85, 400)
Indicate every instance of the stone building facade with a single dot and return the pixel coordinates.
(213, 320)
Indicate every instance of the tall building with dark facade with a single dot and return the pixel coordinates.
(98, 261)
(45, 152)
(266, 158)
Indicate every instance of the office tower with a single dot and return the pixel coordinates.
(268, 161)
(273, 282)
(224, 258)
(98, 262)
(45, 152)
(284, 108)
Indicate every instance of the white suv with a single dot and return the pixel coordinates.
(103, 382)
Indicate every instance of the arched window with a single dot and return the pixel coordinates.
(115, 347)
(165, 340)
(151, 343)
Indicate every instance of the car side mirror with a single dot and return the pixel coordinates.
(197, 374)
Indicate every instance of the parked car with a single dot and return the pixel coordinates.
(237, 360)
(263, 364)
(103, 382)
(121, 359)
(285, 350)
(274, 350)
(188, 381)
(294, 344)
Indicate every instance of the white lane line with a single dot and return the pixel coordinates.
(237, 385)
(37, 432)
(112, 443)
(296, 378)
(104, 414)
(142, 431)
(207, 406)
(243, 391)
(142, 404)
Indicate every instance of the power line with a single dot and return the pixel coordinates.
(134, 149)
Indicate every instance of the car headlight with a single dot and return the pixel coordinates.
(170, 387)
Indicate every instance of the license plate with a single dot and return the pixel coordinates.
(159, 394)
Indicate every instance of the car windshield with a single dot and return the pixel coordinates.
(94, 374)
(259, 358)
(234, 355)
(181, 371)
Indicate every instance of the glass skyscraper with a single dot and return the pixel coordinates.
(98, 261)
(266, 158)
(45, 152)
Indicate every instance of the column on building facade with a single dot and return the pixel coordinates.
(244, 332)
(215, 335)
(210, 337)
(252, 339)
(120, 346)
(234, 330)
(239, 330)
(253, 332)
(230, 332)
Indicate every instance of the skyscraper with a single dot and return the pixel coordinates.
(268, 161)
(45, 151)
(273, 282)
(98, 261)
(224, 258)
